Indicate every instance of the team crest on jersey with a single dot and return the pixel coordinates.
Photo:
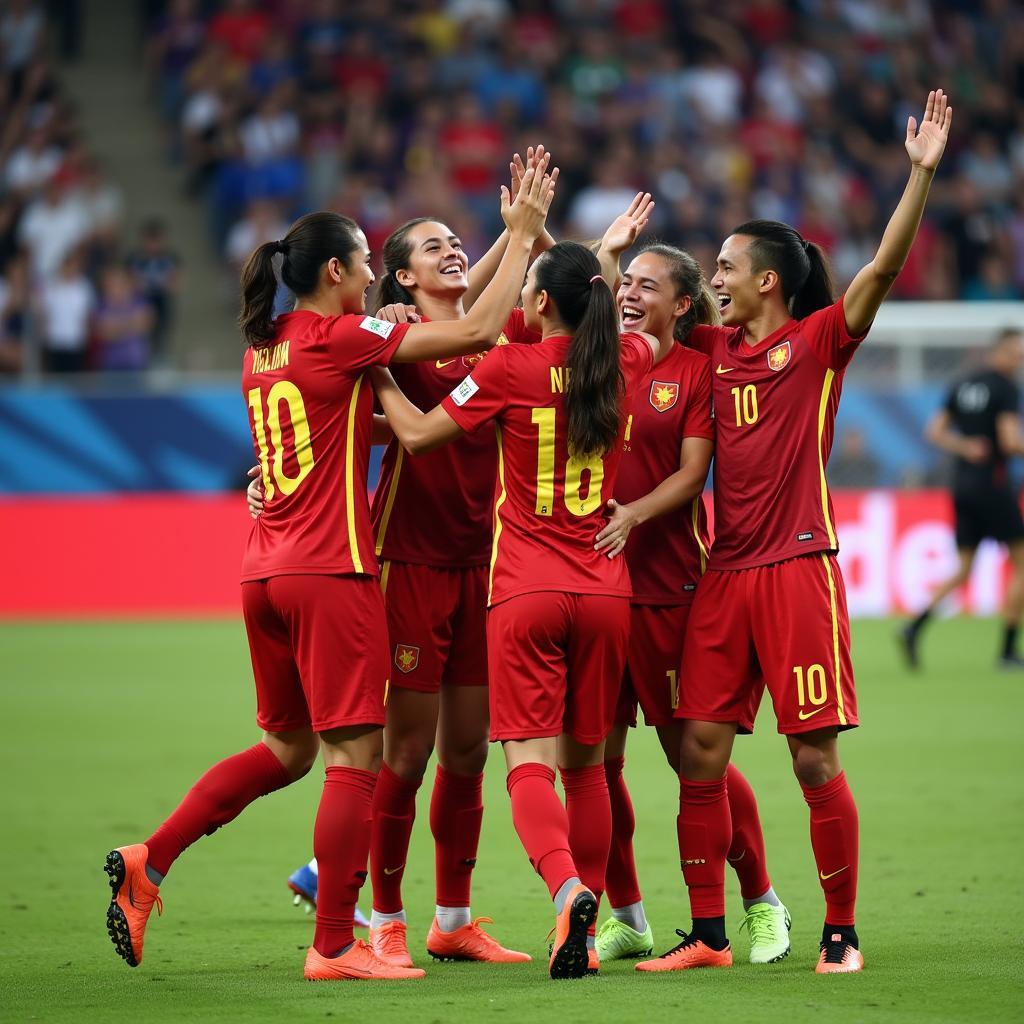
(406, 657)
(779, 356)
(502, 339)
(664, 395)
(470, 361)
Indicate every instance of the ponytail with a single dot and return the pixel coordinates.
(311, 241)
(571, 275)
(688, 279)
(801, 265)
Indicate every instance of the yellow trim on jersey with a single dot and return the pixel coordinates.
(835, 637)
(389, 504)
(497, 507)
(694, 509)
(350, 486)
(385, 570)
(826, 387)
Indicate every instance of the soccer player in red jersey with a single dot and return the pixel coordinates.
(658, 522)
(558, 622)
(771, 610)
(312, 605)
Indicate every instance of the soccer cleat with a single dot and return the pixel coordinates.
(839, 956)
(132, 899)
(471, 942)
(907, 639)
(569, 955)
(389, 942)
(303, 883)
(689, 953)
(357, 963)
(616, 940)
(769, 932)
(593, 962)
(1011, 663)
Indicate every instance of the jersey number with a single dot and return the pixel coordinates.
(745, 400)
(544, 419)
(811, 687)
(274, 476)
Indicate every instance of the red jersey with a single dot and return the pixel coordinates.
(548, 507)
(311, 412)
(435, 509)
(667, 555)
(775, 410)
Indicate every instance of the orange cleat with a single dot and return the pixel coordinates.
(593, 962)
(569, 954)
(471, 942)
(357, 963)
(839, 957)
(689, 953)
(390, 944)
(132, 899)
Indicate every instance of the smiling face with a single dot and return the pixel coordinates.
(647, 299)
(437, 263)
(740, 291)
(353, 277)
(532, 300)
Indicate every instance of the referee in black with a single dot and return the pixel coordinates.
(980, 426)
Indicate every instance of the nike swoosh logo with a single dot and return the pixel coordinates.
(825, 877)
(724, 369)
(391, 871)
(804, 715)
(441, 364)
(736, 860)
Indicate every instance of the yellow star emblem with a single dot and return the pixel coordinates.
(663, 395)
(406, 658)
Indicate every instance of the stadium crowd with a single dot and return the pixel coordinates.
(786, 109)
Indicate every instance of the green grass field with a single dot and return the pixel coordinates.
(106, 725)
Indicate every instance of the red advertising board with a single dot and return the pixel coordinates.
(180, 555)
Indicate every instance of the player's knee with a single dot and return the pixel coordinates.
(407, 757)
(296, 753)
(814, 766)
(699, 756)
(466, 758)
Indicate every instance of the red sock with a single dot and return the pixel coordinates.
(217, 798)
(394, 810)
(621, 882)
(590, 823)
(705, 834)
(341, 844)
(456, 813)
(746, 854)
(541, 823)
(835, 839)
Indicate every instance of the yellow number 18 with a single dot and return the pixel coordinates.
(544, 420)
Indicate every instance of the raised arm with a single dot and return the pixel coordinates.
(925, 146)
(416, 431)
(485, 268)
(621, 234)
(480, 328)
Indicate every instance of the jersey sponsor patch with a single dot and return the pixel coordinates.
(807, 535)
(465, 391)
(382, 328)
(663, 395)
(407, 657)
(779, 356)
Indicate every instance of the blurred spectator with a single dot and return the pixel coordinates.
(33, 163)
(22, 28)
(53, 226)
(122, 323)
(66, 305)
(853, 465)
(14, 314)
(262, 223)
(157, 269)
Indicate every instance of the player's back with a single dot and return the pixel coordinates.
(975, 404)
(310, 410)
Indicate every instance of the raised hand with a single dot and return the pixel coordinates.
(925, 145)
(517, 169)
(528, 212)
(623, 231)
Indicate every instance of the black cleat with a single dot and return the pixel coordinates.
(569, 956)
(1011, 662)
(907, 639)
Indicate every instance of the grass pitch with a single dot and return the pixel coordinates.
(106, 726)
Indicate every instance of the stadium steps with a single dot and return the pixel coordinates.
(123, 128)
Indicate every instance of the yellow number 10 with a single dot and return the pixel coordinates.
(544, 420)
(272, 464)
(746, 404)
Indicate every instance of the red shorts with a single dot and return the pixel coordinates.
(319, 651)
(651, 678)
(437, 624)
(783, 626)
(556, 662)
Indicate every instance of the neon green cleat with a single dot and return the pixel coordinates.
(617, 941)
(769, 932)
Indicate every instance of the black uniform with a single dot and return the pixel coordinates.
(982, 497)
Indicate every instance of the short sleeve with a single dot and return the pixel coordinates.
(698, 420)
(516, 332)
(826, 334)
(636, 358)
(358, 342)
(482, 395)
(1006, 399)
(703, 337)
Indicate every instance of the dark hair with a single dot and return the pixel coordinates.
(801, 265)
(593, 394)
(1005, 335)
(395, 255)
(688, 279)
(311, 241)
